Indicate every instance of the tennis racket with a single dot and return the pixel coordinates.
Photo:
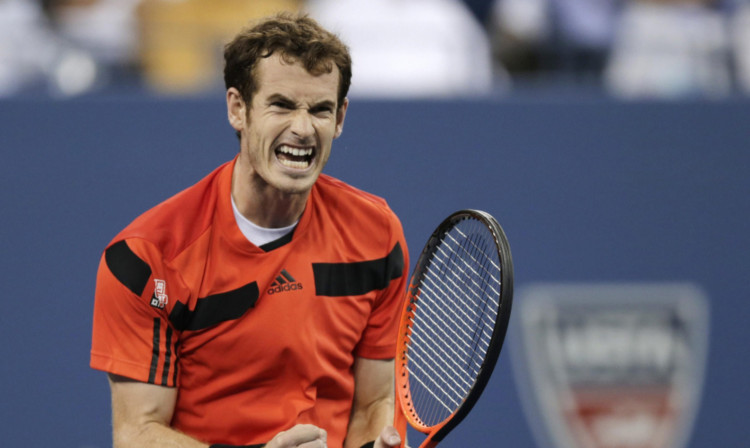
(453, 323)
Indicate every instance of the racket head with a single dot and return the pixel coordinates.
(466, 240)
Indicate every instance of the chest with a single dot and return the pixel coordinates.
(293, 304)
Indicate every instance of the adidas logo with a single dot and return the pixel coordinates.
(284, 282)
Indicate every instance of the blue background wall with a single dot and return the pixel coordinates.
(587, 190)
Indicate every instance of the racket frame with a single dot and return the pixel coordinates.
(437, 433)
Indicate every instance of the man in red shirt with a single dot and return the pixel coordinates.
(259, 307)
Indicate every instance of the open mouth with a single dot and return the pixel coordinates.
(295, 158)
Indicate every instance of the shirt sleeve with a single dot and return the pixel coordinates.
(132, 335)
(380, 336)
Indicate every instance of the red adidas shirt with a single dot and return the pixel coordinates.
(256, 339)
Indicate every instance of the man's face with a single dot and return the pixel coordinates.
(286, 135)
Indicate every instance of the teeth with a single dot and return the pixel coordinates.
(297, 165)
(295, 151)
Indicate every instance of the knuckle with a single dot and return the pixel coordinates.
(281, 439)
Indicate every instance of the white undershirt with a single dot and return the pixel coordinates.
(256, 234)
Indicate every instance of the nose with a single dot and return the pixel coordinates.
(301, 124)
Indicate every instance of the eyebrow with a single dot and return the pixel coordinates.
(284, 99)
(280, 98)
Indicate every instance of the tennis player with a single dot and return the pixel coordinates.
(259, 306)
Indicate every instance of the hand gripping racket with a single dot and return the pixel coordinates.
(453, 323)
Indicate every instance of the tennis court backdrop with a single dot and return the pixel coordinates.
(590, 192)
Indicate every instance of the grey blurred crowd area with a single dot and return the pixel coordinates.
(401, 48)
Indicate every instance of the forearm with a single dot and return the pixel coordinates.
(141, 413)
(157, 435)
(152, 435)
(368, 421)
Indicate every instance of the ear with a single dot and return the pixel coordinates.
(340, 115)
(236, 109)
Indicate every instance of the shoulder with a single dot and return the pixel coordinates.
(352, 204)
(359, 218)
(178, 221)
(335, 190)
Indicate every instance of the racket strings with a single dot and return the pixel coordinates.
(437, 330)
(487, 270)
(435, 354)
(450, 278)
(455, 313)
(455, 318)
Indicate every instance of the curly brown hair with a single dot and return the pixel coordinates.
(297, 38)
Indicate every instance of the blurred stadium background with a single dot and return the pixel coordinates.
(609, 138)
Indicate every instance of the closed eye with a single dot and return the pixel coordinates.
(324, 108)
(282, 105)
(321, 110)
(279, 101)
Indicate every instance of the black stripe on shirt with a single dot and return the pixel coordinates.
(127, 267)
(155, 351)
(176, 359)
(275, 244)
(167, 358)
(361, 277)
(214, 309)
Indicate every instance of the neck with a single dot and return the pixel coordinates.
(264, 205)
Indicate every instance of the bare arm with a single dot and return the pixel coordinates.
(374, 400)
(141, 414)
